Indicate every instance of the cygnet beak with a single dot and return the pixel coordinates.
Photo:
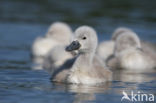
(75, 45)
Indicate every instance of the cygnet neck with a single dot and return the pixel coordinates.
(86, 58)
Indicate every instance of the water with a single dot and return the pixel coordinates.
(21, 21)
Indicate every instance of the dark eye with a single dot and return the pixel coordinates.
(84, 38)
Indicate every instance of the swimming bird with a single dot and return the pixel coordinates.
(59, 33)
(87, 67)
(106, 48)
(128, 54)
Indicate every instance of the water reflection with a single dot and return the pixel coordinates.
(134, 76)
(81, 98)
(83, 93)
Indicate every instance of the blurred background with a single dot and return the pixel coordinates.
(21, 21)
(103, 15)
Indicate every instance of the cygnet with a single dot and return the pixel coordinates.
(105, 49)
(87, 68)
(128, 54)
(59, 33)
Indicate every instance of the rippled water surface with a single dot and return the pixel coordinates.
(21, 21)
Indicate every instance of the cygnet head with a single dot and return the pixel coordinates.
(119, 31)
(85, 40)
(59, 31)
(127, 40)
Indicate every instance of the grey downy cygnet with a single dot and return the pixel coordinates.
(87, 68)
(59, 33)
(105, 48)
(128, 54)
